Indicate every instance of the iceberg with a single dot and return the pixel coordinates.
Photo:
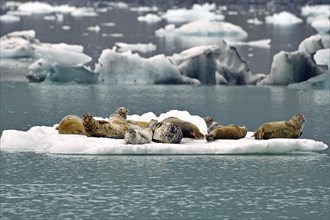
(296, 66)
(128, 68)
(225, 30)
(322, 25)
(7, 18)
(135, 47)
(197, 12)
(149, 18)
(283, 18)
(45, 139)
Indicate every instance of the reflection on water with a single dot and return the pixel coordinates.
(165, 187)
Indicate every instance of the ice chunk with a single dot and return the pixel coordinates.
(292, 67)
(45, 139)
(213, 64)
(197, 12)
(135, 47)
(150, 18)
(254, 21)
(322, 57)
(205, 28)
(126, 67)
(7, 18)
(322, 25)
(283, 18)
(316, 10)
(84, 12)
(311, 44)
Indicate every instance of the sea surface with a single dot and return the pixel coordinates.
(258, 186)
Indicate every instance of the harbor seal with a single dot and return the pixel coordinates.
(227, 132)
(141, 124)
(71, 124)
(167, 132)
(281, 129)
(188, 129)
(102, 128)
(211, 124)
(140, 135)
(120, 112)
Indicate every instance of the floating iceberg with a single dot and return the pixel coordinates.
(150, 18)
(9, 18)
(296, 66)
(224, 30)
(322, 25)
(283, 18)
(113, 67)
(135, 47)
(316, 10)
(44, 139)
(197, 12)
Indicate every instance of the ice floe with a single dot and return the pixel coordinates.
(197, 12)
(135, 47)
(150, 18)
(45, 139)
(283, 18)
(9, 18)
(224, 30)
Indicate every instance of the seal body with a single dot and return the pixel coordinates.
(98, 128)
(140, 135)
(211, 124)
(167, 132)
(227, 132)
(141, 124)
(120, 112)
(281, 129)
(71, 124)
(188, 129)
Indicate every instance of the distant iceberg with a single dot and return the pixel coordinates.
(283, 18)
(44, 139)
(197, 12)
(136, 47)
(224, 30)
(296, 66)
(9, 18)
(150, 18)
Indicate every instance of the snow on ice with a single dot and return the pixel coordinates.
(45, 139)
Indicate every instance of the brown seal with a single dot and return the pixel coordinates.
(102, 128)
(71, 124)
(227, 132)
(189, 130)
(141, 124)
(120, 112)
(211, 124)
(281, 129)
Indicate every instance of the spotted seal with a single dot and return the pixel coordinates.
(167, 132)
(121, 112)
(140, 135)
(102, 128)
(71, 124)
(188, 129)
(281, 129)
(211, 124)
(227, 132)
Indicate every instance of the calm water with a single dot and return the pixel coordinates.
(43, 186)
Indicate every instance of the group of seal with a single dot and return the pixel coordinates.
(172, 129)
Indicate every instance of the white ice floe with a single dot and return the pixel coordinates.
(254, 21)
(265, 43)
(283, 18)
(30, 8)
(95, 28)
(322, 25)
(44, 139)
(135, 47)
(7, 18)
(142, 9)
(316, 10)
(311, 44)
(322, 57)
(150, 18)
(223, 30)
(197, 12)
(84, 12)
